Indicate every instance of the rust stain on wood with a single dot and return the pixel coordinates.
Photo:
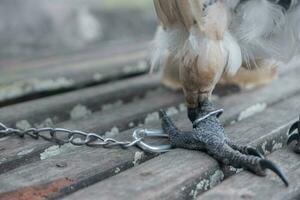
(39, 192)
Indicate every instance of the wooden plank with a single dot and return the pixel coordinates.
(186, 174)
(128, 115)
(257, 100)
(94, 53)
(59, 107)
(105, 162)
(246, 186)
(16, 85)
(96, 65)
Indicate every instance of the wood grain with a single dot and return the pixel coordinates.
(32, 83)
(58, 107)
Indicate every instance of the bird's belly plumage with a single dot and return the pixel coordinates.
(207, 38)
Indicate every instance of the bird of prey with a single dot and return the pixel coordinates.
(200, 43)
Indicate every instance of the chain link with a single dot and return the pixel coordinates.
(62, 136)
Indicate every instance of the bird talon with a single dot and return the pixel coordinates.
(208, 135)
(294, 136)
(266, 164)
(254, 152)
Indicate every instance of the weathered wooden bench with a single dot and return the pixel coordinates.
(110, 92)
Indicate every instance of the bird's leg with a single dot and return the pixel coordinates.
(208, 135)
(178, 138)
(294, 136)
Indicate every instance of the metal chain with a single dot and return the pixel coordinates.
(62, 136)
(78, 138)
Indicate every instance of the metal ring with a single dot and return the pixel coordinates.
(143, 133)
(216, 112)
(2, 126)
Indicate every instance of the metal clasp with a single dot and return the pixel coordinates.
(139, 134)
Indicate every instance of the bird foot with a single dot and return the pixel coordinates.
(294, 136)
(208, 135)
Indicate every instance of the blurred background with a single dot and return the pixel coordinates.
(35, 28)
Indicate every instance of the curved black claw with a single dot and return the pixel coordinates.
(254, 152)
(266, 164)
(295, 136)
(294, 127)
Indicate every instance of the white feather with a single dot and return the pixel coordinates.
(234, 54)
(264, 31)
(165, 42)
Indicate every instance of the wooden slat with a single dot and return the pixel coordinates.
(185, 174)
(94, 53)
(59, 107)
(68, 70)
(108, 161)
(132, 113)
(247, 186)
(281, 88)
(24, 84)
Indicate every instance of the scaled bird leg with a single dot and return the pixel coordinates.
(249, 150)
(208, 135)
(294, 135)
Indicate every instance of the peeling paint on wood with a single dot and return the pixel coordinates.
(257, 108)
(23, 125)
(112, 133)
(80, 112)
(111, 106)
(22, 88)
(206, 184)
(39, 192)
(141, 66)
(46, 123)
(138, 156)
(56, 150)
(152, 117)
(98, 77)
(25, 152)
(117, 170)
